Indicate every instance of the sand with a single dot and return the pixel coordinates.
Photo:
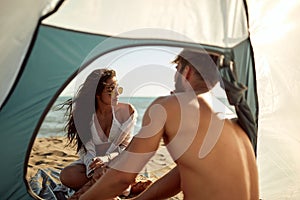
(52, 153)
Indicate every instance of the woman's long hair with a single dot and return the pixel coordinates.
(81, 109)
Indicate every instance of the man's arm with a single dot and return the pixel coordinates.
(125, 167)
(163, 188)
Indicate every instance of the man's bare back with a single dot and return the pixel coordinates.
(227, 171)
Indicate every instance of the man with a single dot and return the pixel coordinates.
(214, 156)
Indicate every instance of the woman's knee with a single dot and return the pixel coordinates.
(73, 176)
(66, 174)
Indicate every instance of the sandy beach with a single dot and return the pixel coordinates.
(52, 153)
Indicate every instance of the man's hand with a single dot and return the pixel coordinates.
(99, 172)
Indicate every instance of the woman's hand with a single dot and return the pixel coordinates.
(96, 163)
(99, 168)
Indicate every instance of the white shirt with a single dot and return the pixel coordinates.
(106, 148)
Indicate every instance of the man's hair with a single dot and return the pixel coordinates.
(205, 64)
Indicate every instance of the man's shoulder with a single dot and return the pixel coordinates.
(164, 100)
(169, 103)
(178, 98)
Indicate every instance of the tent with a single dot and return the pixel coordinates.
(44, 43)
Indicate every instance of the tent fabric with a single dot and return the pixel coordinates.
(16, 39)
(235, 93)
(245, 74)
(227, 16)
(274, 33)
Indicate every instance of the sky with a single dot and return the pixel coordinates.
(141, 71)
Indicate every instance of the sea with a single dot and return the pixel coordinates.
(55, 120)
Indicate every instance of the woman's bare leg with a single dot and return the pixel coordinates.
(74, 176)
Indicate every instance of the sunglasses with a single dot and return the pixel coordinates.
(112, 89)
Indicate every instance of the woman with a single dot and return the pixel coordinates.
(100, 126)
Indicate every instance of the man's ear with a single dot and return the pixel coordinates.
(187, 72)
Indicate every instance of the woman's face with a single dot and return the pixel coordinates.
(111, 92)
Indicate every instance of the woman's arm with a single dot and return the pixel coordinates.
(88, 156)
